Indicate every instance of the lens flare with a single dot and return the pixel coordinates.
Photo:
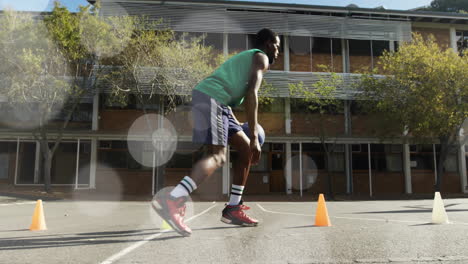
(152, 140)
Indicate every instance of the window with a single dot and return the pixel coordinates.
(360, 55)
(188, 36)
(364, 54)
(394, 162)
(378, 49)
(337, 162)
(7, 150)
(387, 158)
(295, 146)
(311, 147)
(26, 162)
(63, 169)
(115, 154)
(186, 155)
(451, 164)
(84, 162)
(300, 54)
(82, 113)
(315, 161)
(422, 158)
(277, 147)
(326, 52)
(462, 41)
(214, 40)
(237, 43)
(313, 156)
(180, 161)
(277, 161)
(360, 162)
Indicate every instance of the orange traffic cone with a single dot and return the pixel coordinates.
(321, 216)
(38, 220)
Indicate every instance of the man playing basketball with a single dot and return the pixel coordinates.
(215, 126)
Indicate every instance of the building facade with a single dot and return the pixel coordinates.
(95, 153)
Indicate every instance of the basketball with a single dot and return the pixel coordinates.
(261, 132)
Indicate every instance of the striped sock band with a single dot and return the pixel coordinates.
(236, 194)
(184, 188)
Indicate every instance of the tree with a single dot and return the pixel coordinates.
(157, 67)
(455, 6)
(156, 62)
(424, 94)
(321, 98)
(48, 67)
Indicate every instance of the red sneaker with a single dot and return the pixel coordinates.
(234, 215)
(172, 210)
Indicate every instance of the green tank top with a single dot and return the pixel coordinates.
(228, 83)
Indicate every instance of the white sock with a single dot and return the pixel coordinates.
(236, 194)
(184, 188)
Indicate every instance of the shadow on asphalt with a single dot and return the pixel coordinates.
(426, 224)
(70, 240)
(297, 227)
(17, 230)
(20, 197)
(220, 227)
(114, 232)
(415, 209)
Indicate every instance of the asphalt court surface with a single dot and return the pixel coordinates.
(129, 232)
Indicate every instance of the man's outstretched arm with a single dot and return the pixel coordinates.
(259, 67)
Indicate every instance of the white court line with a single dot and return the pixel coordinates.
(285, 213)
(358, 218)
(20, 203)
(138, 244)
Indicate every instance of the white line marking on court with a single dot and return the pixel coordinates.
(138, 244)
(357, 218)
(274, 212)
(19, 203)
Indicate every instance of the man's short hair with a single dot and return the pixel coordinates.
(263, 36)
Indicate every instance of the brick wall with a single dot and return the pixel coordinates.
(300, 63)
(122, 181)
(309, 124)
(441, 35)
(338, 180)
(388, 182)
(117, 120)
(360, 64)
(451, 183)
(182, 121)
(272, 123)
(423, 182)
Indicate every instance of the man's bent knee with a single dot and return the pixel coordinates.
(220, 159)
(218, 153)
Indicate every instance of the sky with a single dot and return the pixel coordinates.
(388, 4)
(40, 5)
(46, 5)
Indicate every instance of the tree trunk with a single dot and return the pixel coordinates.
(329, 176)
(159, 181)
(47, 165)
(444, 150)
